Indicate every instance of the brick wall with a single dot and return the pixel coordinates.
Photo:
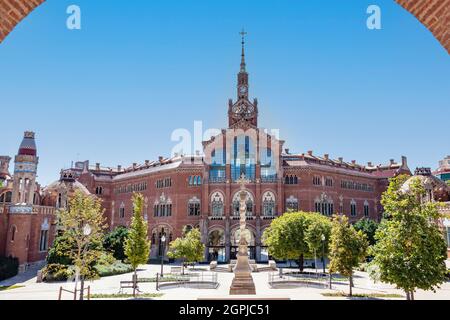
(12, 12)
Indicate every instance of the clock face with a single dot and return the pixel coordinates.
(243, 89)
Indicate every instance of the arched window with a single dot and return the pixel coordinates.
(324, 205)
(13, 232)
(99, 190)
(292, 204)
(194, 207)
(317, 181)
(122, 211)
(6, 197)
(268, 204)
(366, 209)
(217, 201)
(248, 201)
(353, 208)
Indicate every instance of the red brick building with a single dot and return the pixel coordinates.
(197, 190)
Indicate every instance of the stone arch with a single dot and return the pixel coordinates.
(216, 236)
(431, 13)
(250, 200)
(251, 235)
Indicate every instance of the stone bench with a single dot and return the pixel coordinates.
(175, 270)
(272, 265)
(213, 265)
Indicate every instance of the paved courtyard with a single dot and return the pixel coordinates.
(110, 285)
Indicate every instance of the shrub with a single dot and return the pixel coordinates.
(9, 267)
(106, 259)
(59, 252)
(57, 272)
(114, 242)
(116, 268)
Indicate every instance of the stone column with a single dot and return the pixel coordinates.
(258, 239)
(227, 239)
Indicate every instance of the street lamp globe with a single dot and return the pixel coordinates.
(163, 239)
(323, 237)
(87, 230)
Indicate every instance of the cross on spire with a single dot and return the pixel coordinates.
(242, 181)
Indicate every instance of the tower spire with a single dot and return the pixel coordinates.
(243, 34)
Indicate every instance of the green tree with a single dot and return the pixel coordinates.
(114, 242)
(189, 247)
(411, 250)
(368, 227)
(59, 253)
(318, 235)
(137, 245)
(348, 248)
(286, 237)
(83, 224)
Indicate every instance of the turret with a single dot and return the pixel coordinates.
(4, 169)
(25, 168)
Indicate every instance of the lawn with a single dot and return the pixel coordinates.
(363, 295)
(125, 296)
(4, 288)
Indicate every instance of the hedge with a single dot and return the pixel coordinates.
(9, 267)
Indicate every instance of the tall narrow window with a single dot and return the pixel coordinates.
(13, 233)
(122, 211)
(217, 205)
(268, 204)
(292, 204)
(43, 240)
(366, 209)
(353, 208)
(194, 207)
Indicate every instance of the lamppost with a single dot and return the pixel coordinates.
(86, 232)
(163, 247)
(323, 252)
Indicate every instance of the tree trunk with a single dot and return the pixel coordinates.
(301, 261)
(82, 289)
(412, 295)
(134, 283)
(408, 297)
(351, 286)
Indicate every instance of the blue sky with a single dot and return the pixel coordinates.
(114, 91)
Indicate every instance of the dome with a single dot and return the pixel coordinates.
(28, 145)
(441, 191)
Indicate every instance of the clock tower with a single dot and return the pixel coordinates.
(242, 113)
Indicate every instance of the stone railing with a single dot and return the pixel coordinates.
(216, 217)
(44, 210)
(271, 179)
(217, 180)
